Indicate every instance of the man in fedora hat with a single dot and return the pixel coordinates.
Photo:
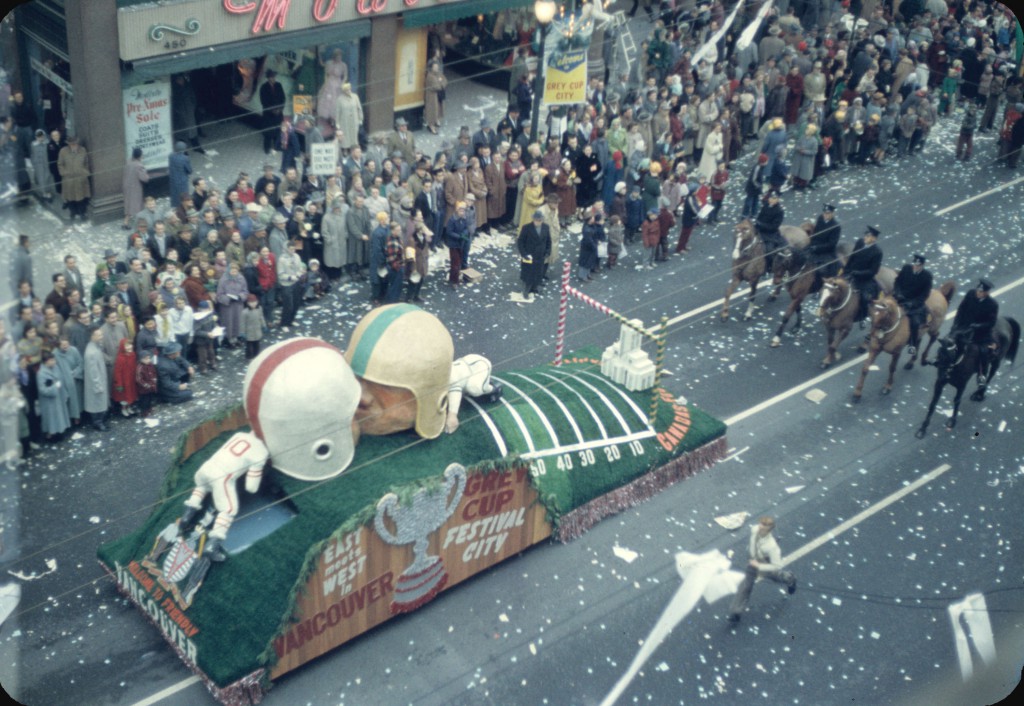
(485, 137)
(401, 140)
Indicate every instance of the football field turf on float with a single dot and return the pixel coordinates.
(562, 449)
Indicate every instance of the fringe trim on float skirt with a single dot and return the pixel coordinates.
(247, 691)
(574, 523)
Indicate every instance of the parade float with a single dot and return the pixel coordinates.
(395, 472)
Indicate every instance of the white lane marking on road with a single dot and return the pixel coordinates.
(164, 693)
(502, 449)
(711, 576)
(983, 194)
(864, 514)
(736, 418)
(974, 612)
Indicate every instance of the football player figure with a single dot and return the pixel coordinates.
(471, 375)
(242, 454)
(402, 356)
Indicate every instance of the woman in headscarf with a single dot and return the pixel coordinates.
(231, 295)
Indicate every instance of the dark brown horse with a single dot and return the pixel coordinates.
(838, 309)
(794, 268)
(890, 332)
(748, 265)
(957, 362)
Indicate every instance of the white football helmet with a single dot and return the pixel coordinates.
(301, 397)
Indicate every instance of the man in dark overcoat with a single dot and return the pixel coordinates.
(532, 245)
(913, 285)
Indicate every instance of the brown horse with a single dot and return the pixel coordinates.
(797, 238)
(838, 309)
(748, 265)
(890, 332)
(793, 268)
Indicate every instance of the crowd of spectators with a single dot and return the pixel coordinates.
(820, 86)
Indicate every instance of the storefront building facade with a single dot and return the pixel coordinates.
(107, 68)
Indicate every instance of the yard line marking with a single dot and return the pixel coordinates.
(983, 194)
(543, 417)
(639, 412)
(561, 406)
(864, 514)
(608, 403)
(583, 401)
(520, 423)
(498, 439)
(164, 693)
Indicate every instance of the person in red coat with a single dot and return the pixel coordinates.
(665, 223)
(650, 233)
(124, 390)
(145, 382)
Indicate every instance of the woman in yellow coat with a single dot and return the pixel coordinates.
(533, 197)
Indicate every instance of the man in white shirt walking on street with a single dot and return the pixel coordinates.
(765, 560)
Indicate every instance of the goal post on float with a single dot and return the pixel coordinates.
(624, 361)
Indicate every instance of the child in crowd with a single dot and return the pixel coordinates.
(124, 390)
(616, 233)
(204, 332)
(252, 325)
(316, 284)
(145, 382)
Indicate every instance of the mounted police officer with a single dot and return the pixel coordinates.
(768, 222)
(861, 268)
(913, 285)
(975, 319)
(821, 251)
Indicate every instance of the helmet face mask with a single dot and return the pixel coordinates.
(301, 398)
(403, 358)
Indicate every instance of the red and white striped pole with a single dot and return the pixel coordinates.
(563, 305)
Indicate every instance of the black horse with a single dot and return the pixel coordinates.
(957, 361)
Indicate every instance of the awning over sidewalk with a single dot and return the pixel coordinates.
(225, 53)
(447, 12)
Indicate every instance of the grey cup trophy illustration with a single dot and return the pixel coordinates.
(414, 521)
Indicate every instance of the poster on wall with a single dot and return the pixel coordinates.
(410, 67)
(147, 122)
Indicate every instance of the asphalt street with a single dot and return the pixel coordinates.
(560, 624)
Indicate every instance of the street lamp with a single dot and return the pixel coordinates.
(544, 11)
